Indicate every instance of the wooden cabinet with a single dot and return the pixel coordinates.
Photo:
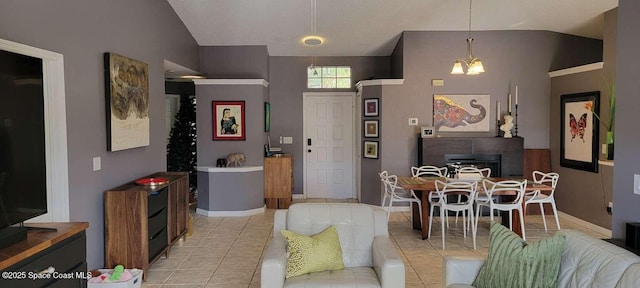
(141, 223)
(278, 181)
(64, 249)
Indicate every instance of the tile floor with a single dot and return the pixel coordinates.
(226, 252)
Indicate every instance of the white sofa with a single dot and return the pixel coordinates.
(586, 262)
(369, 256)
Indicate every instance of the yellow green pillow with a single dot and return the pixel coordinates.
(320, 252)
(514, 263)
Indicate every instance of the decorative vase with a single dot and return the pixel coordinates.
(609, 145)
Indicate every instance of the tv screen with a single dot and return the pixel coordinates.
(23, 185)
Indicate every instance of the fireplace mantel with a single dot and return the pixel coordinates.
(431, 151)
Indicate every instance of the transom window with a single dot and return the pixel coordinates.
(320, 77)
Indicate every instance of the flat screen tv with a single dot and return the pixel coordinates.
(23, 184)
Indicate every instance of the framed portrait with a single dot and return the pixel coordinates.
(370, 149)
(371, 128)
(461, 113)
(579, 131)
(228, 120)
(127, 102)
(371, 107)
(427, 132)
(267, 116)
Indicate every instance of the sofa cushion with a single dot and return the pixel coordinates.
(514, 263)
(357, 277)
(315, 253)
(591, 262)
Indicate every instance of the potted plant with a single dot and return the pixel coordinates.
(610, 124)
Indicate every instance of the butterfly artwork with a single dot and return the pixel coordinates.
(577, 128)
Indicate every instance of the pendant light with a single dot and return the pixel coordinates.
(313, 40)
(473, 64)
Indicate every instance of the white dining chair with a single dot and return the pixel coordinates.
(537, 196)
(396, 193)
(467, 192)
(472, 174)
(490, 188)
(434, 200)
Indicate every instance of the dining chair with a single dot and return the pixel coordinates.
(537, 196)
(490, 188)
(430, 171)
(467, 192)
(396, 193)
(470, 174)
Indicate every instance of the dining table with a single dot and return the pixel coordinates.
(421, 186)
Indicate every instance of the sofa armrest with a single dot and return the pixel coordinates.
(387, 262)
(461, 269)
(274, 263)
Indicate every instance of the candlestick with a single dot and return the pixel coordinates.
(498, 112)
(509, 104)
(516, 94)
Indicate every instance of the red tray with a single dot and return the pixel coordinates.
(152, 181)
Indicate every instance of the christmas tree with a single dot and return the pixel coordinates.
(181, 150)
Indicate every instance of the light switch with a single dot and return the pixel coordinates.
(413, 121)
(96, 164)
(604, 148)
(287, 140)
(437, 82)
(636, 184)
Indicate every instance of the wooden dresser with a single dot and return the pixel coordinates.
(64, 250)
(278, 181)
(141, 223)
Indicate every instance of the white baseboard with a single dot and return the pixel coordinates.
(230, 213)
(586, 224)
(298, 196)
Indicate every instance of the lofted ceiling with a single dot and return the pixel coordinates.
(372, 27)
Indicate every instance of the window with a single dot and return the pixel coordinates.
(329, 77)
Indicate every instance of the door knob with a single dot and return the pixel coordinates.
(309, 150)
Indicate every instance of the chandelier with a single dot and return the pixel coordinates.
(473, 64)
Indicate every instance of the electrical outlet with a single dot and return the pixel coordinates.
(604, 148)
(96, 164)
(610, 208)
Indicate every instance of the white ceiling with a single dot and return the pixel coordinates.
(372, 27)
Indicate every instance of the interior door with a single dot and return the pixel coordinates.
(329, 145)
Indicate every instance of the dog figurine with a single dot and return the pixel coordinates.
(221, 162)
(235, 160)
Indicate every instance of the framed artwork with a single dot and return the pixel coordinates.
(228, 120)
(127, 102)
(461, 113)
(371, 107)
(267, 116)
(371, 128)
(370, 149)
(579, 131)
(427, 132)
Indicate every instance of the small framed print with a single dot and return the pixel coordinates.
(371, 149)
(371, 128)
(371, 107)
(228, 120)
(427, 132)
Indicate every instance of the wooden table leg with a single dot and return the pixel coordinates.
(517, 226)
(425, 215)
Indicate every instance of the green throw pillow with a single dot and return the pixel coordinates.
(514, 263)
(320, 252)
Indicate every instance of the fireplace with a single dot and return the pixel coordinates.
(492, 161)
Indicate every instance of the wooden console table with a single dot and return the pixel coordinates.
(64, 250)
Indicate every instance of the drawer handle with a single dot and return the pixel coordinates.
(156, 214)
(48, 270)
(157, 234)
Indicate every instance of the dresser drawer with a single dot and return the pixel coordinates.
(157, 201)
(157, 222)
(157, 242)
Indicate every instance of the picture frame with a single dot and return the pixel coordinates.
(462, 112)
(127, 102)
(427, 132)
(267, 116)
(579, 131)
(371, 107)
(371, 129)
(370, 149)
(228, 120)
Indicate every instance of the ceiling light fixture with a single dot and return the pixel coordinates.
(312, 41)
(473, 64)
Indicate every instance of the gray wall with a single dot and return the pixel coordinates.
(145, 30)
(235, 62)
(627, 158)
(288, 82)
(231, 191)
(370, 187)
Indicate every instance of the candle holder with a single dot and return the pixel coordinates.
(498, 129)
(515, 134)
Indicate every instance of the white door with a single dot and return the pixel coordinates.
(329, 145)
